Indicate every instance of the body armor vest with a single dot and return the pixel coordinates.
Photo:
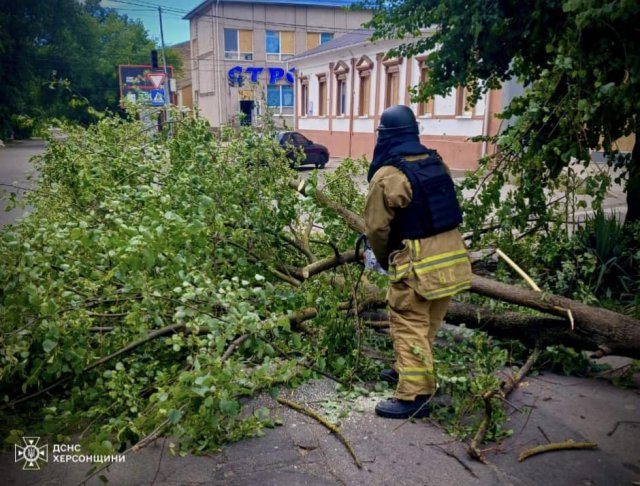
(434, 206)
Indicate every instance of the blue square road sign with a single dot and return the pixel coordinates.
(157, 97)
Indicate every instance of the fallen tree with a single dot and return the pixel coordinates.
(149, 290)
(595, 329)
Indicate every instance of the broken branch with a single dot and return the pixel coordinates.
(333, 428)
(556, 446)
(504, 390)
(294, 319)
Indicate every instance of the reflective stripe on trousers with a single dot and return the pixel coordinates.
(414, 324)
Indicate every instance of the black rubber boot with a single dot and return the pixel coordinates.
(403, 409)
(389, 375)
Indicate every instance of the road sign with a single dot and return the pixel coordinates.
(157, 97)
(157, 79)
(137, 82)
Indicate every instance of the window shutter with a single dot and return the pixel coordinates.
(286, 43)
(246, 41)
(313, 40)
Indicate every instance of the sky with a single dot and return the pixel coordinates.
(176, 30)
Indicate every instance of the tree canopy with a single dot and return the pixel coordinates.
(578, 59)
(57, 59)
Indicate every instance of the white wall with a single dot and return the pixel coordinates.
(313, 123)
(341, 124)
(459, 127)
(363, 125)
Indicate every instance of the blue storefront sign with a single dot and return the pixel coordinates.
(237, 76)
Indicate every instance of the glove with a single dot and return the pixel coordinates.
(372, 263)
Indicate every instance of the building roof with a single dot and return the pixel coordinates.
(309, 3)
(355, 37)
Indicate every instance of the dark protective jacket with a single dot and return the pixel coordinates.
(434, 206)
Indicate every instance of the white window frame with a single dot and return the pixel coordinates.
(278, 56)
(279, 108)
(237, 55)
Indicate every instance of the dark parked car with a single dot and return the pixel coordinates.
(315, 153)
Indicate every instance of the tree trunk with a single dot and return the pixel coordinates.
(532, 330)
(614, 333)
(633, 183)
(538, 330)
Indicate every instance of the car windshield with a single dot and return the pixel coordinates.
(299, 138)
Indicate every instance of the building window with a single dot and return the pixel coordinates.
(279, 45)
(363, 99)
(322, 95)
(392, 89)
(364, 67)
(238, 44)
(304, 96)
(341, 99)
(341, 71)
(279, 96)
(425, 108)
(462, 95)
(314, 39)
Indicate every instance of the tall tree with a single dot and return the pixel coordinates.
(27, 28)
(579, 61)
(55, 54)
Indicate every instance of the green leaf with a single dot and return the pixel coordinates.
(174, 416)
(229, 407)
(48, 345)
(263, 414)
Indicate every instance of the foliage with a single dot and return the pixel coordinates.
(23, 126)
(132, 233)
(58, 59)
(597, 262)
(628, 376)
(598, 258)
(568, 361)
(468, 366)
(197, 237)
(579, 61)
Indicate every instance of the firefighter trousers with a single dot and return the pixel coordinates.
(414, 322)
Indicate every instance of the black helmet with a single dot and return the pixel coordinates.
(397, 120)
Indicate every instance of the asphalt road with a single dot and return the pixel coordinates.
(15, 170)
(546, 408)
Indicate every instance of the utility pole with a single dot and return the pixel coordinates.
(167, 92)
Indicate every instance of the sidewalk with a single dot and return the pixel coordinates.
(302, 452)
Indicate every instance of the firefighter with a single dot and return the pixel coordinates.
(411, 218)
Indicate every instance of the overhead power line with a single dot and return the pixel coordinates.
(175, 11)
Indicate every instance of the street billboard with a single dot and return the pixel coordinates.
(143, 84)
